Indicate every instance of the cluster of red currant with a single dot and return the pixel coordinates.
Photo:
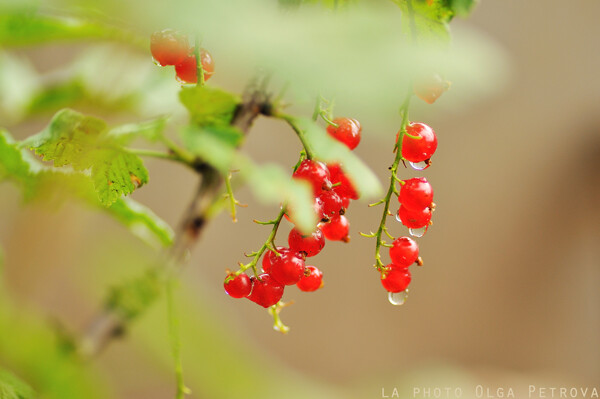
(332, 192)
(170, 47)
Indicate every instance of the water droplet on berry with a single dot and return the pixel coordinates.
(420, 232)
(398, 217)
(419, 165)
(398, 298)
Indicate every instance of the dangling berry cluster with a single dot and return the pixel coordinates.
(170, 47)
(284, 266)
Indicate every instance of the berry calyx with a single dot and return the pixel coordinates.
(311, 244)
(347, 131)
(265, 290)
(237, 286)
(169, 47)
(186, 69)
(395, 278)
(337, 229)
(418, 149)
(332, 203)
(312, 279)
(416, 194)
(414, 219)
(288, 268)
(341, 184)
(404, 251)
(430, 88)
(314, 172)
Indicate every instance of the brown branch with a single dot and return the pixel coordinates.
(108, 324)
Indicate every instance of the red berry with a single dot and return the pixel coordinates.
(345, 188)
(430, 88)
(269, 257)
(265, 290)
(312, 279)
(347, 132)
(404, 251)
(186, 70)
(314, 172)
(237, 286)
(337, 229)
(416, 194)
(417, 150)
(332, 203)
(288, 268)
(168, 47)
(317, 206)
(395, 278)
(414, 219)
(310, 244)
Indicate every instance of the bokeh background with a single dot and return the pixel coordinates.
(508, 296)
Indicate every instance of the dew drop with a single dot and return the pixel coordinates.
(398, 298)
(417, 232)
(419, 165)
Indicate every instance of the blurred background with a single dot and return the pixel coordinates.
(508, 296)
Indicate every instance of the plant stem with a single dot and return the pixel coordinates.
(294, 125)
(175, 340)
(268, 244)
(199, 67)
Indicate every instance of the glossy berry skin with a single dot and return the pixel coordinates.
(395, 278)
(430, 88)
(169, 47)
(288, 268)
(337, 229)
(345, 188)
(312, 279)
(237, 286)
(265, 290)
(417, 150)
(404, 251)
(414, 219)
(186, 70)
(347, 132)
(332, 203)
(269, 257)
(416, 194)
(314, 172)
(310, 244)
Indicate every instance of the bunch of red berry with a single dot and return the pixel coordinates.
(170, 47)
(283, 266)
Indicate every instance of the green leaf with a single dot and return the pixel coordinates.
(430, 18)
(12, 164)
(151, 130)
(141, 220)
(209, 106)
(83, 142)
(12, 387)
(330, 150)
(462, 8)
(269, 183)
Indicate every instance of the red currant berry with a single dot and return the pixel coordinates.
(418, 150)
(347, 131)
(310, 244)
(168, 47)
(312, 279)
(317, 206)
(404, 251)
(237, 286)
(431, 88)
(332, 203)
(314, 172)
(337, 229)
(288, 268)
(186, 70)
(395, 278)
(414, 219)
(342, 185)
(416, 193)
(269, 257)
(265, 290)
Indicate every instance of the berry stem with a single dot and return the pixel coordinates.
(199, 67)
(231, 198)
(269, 244)
(299, 132)
(392, 186)
(277, 323)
